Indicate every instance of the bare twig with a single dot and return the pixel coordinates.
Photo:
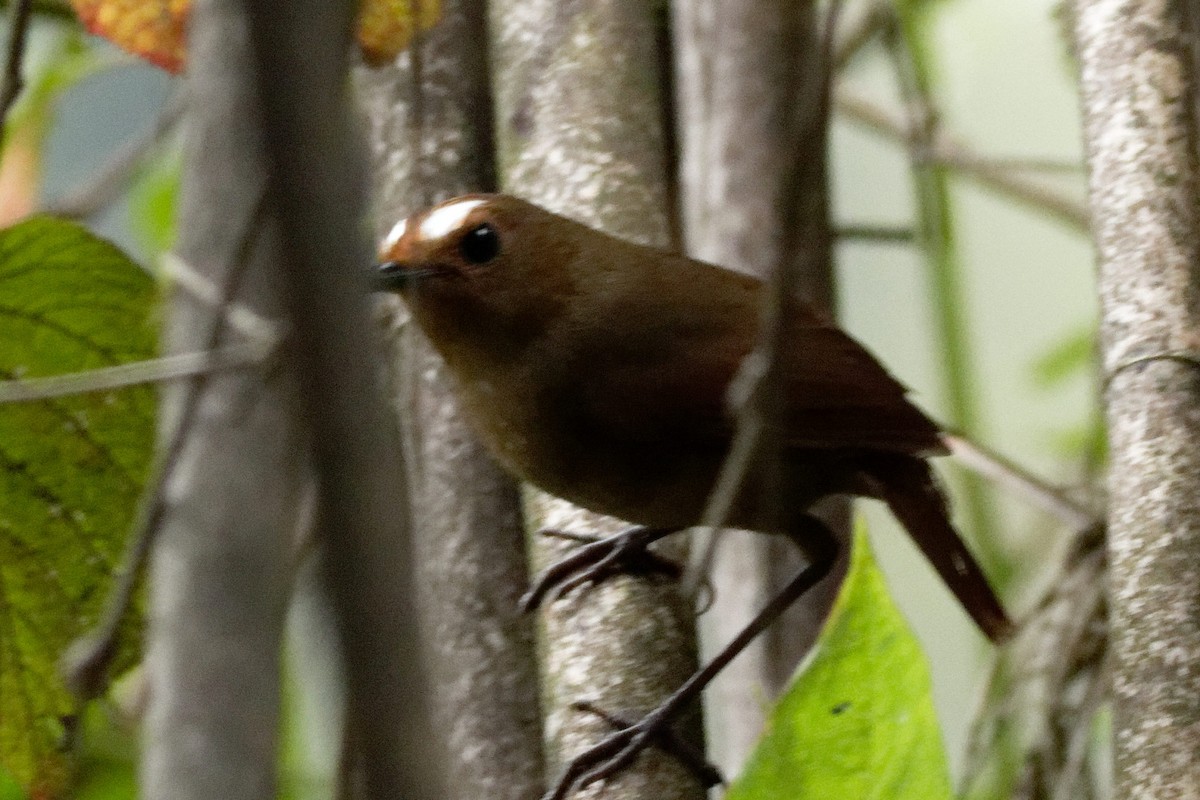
(757, 391)
(54, 9)
(951, 152)
(1081, 735)
(885, 234)
(262, 338)
(864, 29)
(155, 370)
(20, 13)
(238, 317)
(1021, 483)
(1055, 166)
(107, 184)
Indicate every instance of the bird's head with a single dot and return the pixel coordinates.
(481, 271)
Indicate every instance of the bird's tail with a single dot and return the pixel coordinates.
(908, 487)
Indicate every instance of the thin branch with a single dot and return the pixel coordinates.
(153, 370)
(1081, 735)
(1021, 483)
(908, 48)
(757, 390)
(953, 153)
(1056, 166)
(262, 340)
(886, 234)
(18, 34)
(864, 30)
(111, 180)
(53, 9)
(238, 317)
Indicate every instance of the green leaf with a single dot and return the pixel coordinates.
(858, 721)
(153, 200)
(71, 470)
(1073, 356)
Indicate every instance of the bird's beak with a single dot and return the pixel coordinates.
(389, 276)
(394, 276)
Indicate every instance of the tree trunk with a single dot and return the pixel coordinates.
(1138, 87)
(580, 131)
(219, 572)
(466, 511)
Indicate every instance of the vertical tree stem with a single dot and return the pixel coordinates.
(218, 580)
(1138, 92)
(316, 187)
(580, 131)
(466, 511)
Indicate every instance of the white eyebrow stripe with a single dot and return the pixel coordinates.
(396, 233)
(442, 221)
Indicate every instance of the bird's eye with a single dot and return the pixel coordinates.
(480, 245)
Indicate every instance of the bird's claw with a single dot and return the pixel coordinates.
(598, 559)
(618, 750)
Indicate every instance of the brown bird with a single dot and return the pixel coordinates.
(598, 370)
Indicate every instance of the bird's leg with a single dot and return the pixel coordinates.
(598, 559)
(617, 750)
(668, 741)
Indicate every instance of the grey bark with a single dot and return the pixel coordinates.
(466, 512)
(579, 131)
(739, 144)
(218, 582)
(316, 184)
(1141, 142)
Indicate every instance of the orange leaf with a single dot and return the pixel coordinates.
(152, 29)
(156, 29)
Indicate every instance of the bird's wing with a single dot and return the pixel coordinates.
(839, 395)
(671, 385)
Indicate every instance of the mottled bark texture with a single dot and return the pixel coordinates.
(218, 580)
(580, 131)
(748, 87)
(316, 187)
(466, 512)
(1138, 88)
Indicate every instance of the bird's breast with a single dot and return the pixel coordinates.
(543, 434)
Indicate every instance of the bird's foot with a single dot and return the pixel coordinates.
(597, 559)
(618, 750)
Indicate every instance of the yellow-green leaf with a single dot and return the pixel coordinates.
(858, 722)
(71, 470)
